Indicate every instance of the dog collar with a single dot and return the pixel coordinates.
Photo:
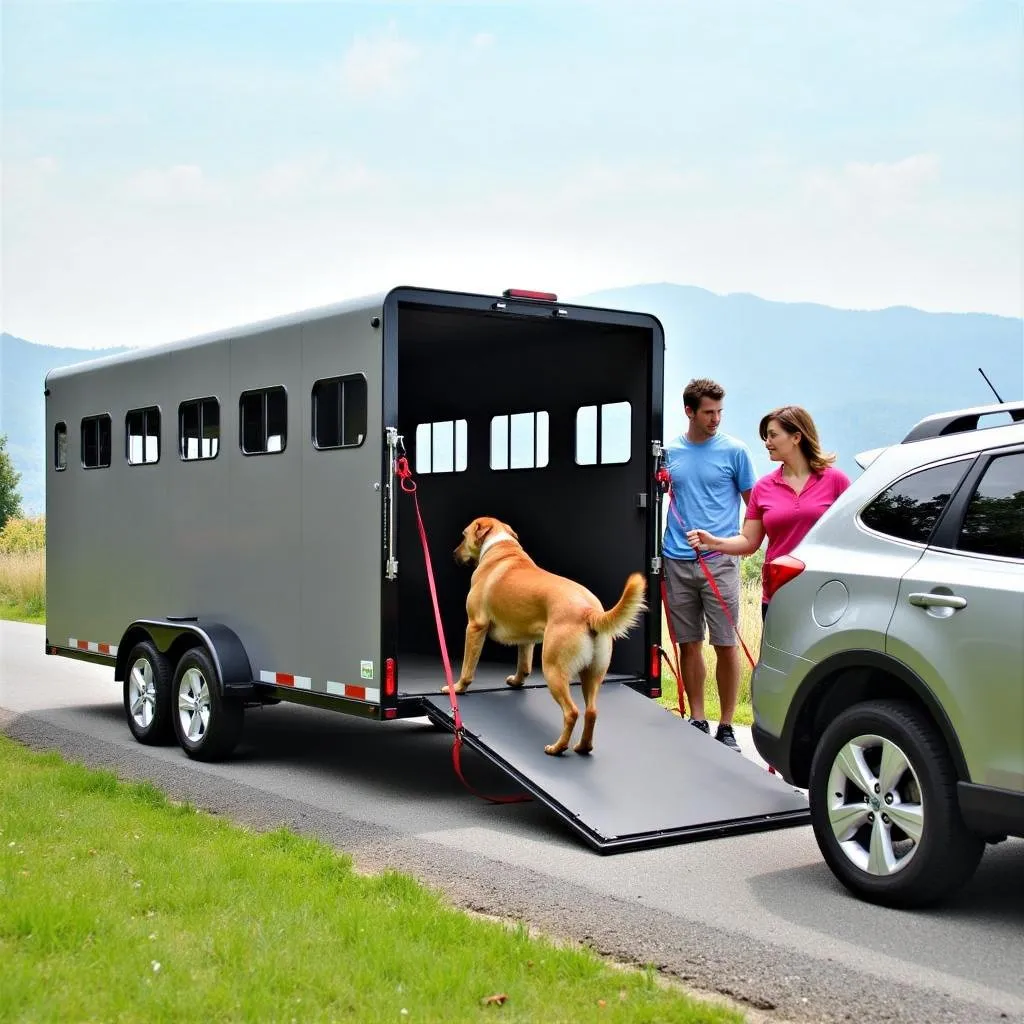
(496, 538)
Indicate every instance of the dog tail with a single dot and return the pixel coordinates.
(621, 618)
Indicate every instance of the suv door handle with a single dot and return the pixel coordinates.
(937, 601)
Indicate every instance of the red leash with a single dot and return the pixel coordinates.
(404, 474)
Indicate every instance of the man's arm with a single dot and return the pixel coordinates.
(745, 495)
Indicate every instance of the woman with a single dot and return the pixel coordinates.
(786, 503)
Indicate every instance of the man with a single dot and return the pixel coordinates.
(710, 472)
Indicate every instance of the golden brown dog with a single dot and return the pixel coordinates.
(514, 601)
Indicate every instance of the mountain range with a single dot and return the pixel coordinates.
(867, 376)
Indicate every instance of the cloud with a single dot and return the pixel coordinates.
(180, 183)
(872, 185)
(313, 177)
(377, 64)
(483, 40)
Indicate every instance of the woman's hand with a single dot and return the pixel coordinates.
(701, 540)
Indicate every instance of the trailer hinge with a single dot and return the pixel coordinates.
(391, 435)
(656, 449)
(656, 565)
(391, 570)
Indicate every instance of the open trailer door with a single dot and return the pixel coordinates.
(652, 778)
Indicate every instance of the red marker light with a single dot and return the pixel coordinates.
(389, 677)
(656, 663)
(525, 293)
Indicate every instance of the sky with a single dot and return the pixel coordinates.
(171, 168)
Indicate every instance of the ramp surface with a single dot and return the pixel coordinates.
(652, 778)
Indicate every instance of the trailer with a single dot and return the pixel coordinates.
(226, 529)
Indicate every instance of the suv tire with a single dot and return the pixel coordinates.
(879, 765)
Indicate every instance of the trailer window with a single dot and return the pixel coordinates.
(339, 412)
(96, 442)
(199, 429)
(519, 441)
(603, 434)
(142, 436)
(441, 447)
(264, 421)
(60, 447)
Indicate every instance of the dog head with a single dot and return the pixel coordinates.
(476, 534)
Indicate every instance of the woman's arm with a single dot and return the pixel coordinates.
(744, 543)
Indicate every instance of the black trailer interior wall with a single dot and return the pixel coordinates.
(583, 521)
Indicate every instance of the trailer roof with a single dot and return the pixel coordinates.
(367, 302)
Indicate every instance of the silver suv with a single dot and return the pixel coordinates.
(891, 678)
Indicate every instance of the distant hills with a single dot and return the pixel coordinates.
(866, 376)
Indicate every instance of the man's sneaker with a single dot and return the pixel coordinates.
(699, 723)
(724, 734)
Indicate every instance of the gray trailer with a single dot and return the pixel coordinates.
(226, 529)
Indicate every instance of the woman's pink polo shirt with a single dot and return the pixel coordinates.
(786, 516)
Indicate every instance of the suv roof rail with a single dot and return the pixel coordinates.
(962, 420)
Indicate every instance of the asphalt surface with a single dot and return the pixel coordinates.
(757, 918)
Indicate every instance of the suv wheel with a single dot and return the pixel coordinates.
(884, 806)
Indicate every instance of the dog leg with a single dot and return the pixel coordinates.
(524, 665)
(590, 680)
(558, 684)
(476, 634)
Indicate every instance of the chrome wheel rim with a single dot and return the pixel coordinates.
(141, 693)
(193, 705)
(875, 806)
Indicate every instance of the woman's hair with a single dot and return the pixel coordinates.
(795, 419)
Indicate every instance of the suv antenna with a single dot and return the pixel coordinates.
(989, 383)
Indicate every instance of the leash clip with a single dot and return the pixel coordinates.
(404, 474)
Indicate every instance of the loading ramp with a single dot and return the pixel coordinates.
(652, 779)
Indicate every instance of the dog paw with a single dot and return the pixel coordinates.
(515, 681)
(583, 748)
(459, 687)
(553, 749)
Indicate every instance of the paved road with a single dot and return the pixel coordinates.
(757, 917)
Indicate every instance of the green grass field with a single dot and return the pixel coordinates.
(750, 630)
(23, 586)
(118, 905)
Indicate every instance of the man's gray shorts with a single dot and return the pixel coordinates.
(691, 601)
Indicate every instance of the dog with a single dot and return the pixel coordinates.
(514, 601)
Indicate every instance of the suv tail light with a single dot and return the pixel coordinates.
(779, 572)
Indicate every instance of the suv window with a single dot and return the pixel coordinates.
(911, 507)
(994, 521)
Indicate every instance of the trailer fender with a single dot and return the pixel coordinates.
(173, 637)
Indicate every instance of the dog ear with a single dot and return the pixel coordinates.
(513, 534)
(482, 529)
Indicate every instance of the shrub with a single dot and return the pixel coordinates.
(21, 535)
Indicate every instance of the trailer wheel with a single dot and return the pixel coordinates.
(147, 695)
(206, 722)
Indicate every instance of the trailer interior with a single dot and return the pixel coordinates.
(539, 415)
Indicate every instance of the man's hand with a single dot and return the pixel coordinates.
(701, 540)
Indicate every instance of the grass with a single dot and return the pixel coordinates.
(750, 629)
(116, 904)
(23, 586)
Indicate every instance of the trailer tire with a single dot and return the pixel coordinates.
(207, 723)
(147, 695)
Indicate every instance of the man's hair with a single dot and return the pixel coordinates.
(700, 388)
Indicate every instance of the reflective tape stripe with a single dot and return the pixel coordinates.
(90, 645)
(286, 679)
(366, 693)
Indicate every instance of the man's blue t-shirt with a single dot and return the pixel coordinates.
(707, 480)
